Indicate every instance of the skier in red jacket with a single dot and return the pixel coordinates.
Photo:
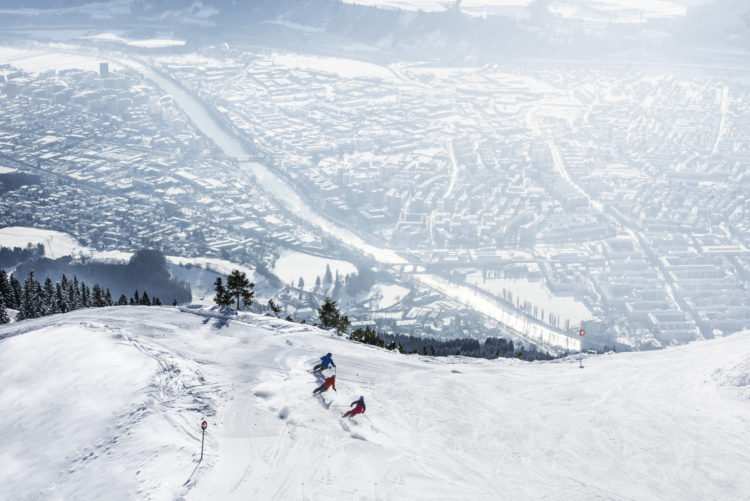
(329, 381)
(359, 409)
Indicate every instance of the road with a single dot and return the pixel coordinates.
(669, 285)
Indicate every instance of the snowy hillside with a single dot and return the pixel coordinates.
(107, 404)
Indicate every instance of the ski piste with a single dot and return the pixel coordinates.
(668, 424)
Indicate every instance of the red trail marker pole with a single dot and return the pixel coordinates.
(580, 351)
(204, 425)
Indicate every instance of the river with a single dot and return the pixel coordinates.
(279, 189)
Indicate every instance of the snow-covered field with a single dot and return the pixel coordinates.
(107, 403)
(346, 68)
(623, 11)
(471, 7)
(149, 43)
(292, 265)
(41, 60)
(598, 10)
(56, 243)
(536, 293)
(386, 295)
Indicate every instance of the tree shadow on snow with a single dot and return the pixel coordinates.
(218, 322)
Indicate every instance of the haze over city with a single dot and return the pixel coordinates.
(525, 179)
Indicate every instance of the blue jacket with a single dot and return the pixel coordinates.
(325, 360)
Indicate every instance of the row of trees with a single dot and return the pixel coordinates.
(239, 291)
(330, 316)
(352, 284)
(12, 256)
(491, 347)
(34, 299)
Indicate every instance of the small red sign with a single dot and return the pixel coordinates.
(581, 332)
(204, 425)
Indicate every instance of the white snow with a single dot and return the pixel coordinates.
(107, 403)
(41, 60)
(346, 68)
(152, 43)
(630, 11)
(386, 295)
(292, 265)
(536, 293)
(218, 265)
(49, 444)
(621, 11)
(467, 6)
(56, 243)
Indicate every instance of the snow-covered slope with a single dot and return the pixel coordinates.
(107, 404)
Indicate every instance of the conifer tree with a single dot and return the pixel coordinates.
(108, 298)
(75, 297)
(136, 298)
(5, 290)
(70, 297)
(156, 302)
(329, 316)
(145, 301)
(343, 324)
(31, 304)
(4, 318)
(239, 288)
(274, 307)
(328, 278)
(61, 303)
(97, 297)
(85, 296)
(368, 336)
(122, 301)
(221, 298)
(17, 291)
(49, 306)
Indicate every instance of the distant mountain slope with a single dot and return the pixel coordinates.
(719, 23)
(107, 403)
(543, 28)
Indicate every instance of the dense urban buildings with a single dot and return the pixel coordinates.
(609, 197)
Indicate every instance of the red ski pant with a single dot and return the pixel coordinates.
(354, 412)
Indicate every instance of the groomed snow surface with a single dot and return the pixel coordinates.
(107, 404)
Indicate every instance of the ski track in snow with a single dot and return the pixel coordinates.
(671, 424)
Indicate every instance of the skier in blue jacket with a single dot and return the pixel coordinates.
(325, 361)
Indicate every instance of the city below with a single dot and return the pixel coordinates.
(501, 199)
